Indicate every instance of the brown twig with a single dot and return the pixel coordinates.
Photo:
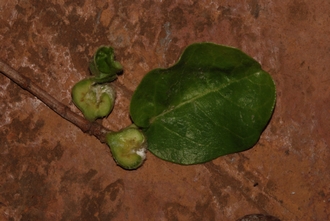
(91, 128)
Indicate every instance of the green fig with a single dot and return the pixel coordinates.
(93, 100)
(128, 147)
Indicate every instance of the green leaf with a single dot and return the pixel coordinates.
(93, 100)
(214, 101)
(103, 65)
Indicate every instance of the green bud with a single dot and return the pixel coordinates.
(103, 66)
(93, 100)
(128, 147)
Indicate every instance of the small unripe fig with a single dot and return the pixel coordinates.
(93, 100)
(128, 147)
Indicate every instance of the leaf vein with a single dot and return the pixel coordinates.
(179, 135)
(199, 96)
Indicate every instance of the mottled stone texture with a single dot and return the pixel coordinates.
(50, 170)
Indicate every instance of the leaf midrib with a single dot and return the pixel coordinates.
(199, 96)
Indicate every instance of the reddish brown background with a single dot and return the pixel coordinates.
(50, 170)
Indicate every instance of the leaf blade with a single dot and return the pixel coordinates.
(212, 102)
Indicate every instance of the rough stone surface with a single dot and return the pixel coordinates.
(50, 170)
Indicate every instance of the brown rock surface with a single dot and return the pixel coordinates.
(50, 170)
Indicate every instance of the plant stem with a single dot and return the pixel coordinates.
(92, 128)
